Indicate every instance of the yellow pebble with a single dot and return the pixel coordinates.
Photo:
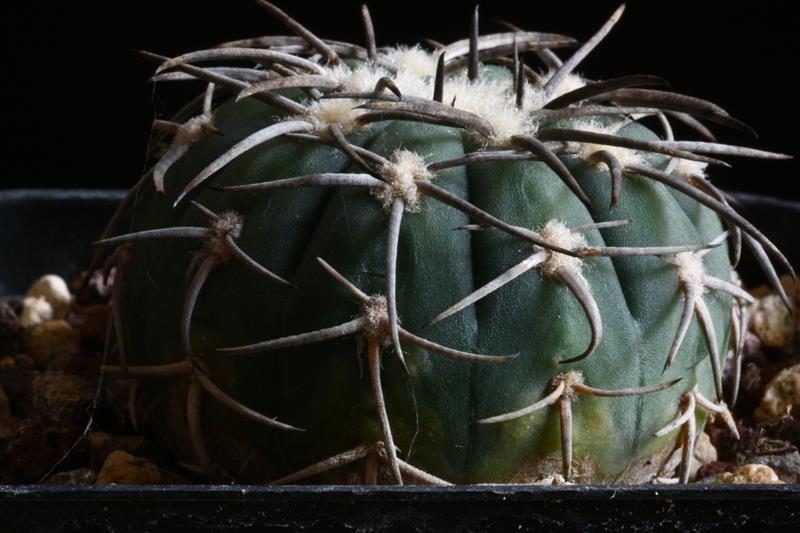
(49, 339)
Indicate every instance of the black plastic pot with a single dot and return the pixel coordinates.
(48, 231)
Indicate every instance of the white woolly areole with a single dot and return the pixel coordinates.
(535, 97)
(686, 168)
(570, 82)
(193, 130)
(558, 234)
(403, 172)
(323, 113)
(412, 85)
(492, 100)
(412, 59)
(690, 269)
(625, 156)
(362, 78)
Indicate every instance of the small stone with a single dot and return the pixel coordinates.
(552, 479)
(54, 290)
(782, 394)
(48, 339)
(11, 331)
(772, 321)
(752, 473)
(79, 476)
(61, 397)
(122, 468)
(36, 447)
(785, 465)
(751, 377)
(79, 364)
(101, 444)
(35, 310)
(704, 453)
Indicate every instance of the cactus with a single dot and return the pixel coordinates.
(363, 264)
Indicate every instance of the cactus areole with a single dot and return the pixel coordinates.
(428, 265)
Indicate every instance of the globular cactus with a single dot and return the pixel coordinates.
(398, 265)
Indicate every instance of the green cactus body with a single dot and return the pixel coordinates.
(326, 388)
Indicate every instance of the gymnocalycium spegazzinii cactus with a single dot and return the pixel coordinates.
(363, 264)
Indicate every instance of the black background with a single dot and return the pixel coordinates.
(77, 107)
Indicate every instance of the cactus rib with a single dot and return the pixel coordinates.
(565, 387)
(544, 154)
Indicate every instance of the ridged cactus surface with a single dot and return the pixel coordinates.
(398, 265)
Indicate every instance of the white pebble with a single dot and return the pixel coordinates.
(35, 310)
(53, 289)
